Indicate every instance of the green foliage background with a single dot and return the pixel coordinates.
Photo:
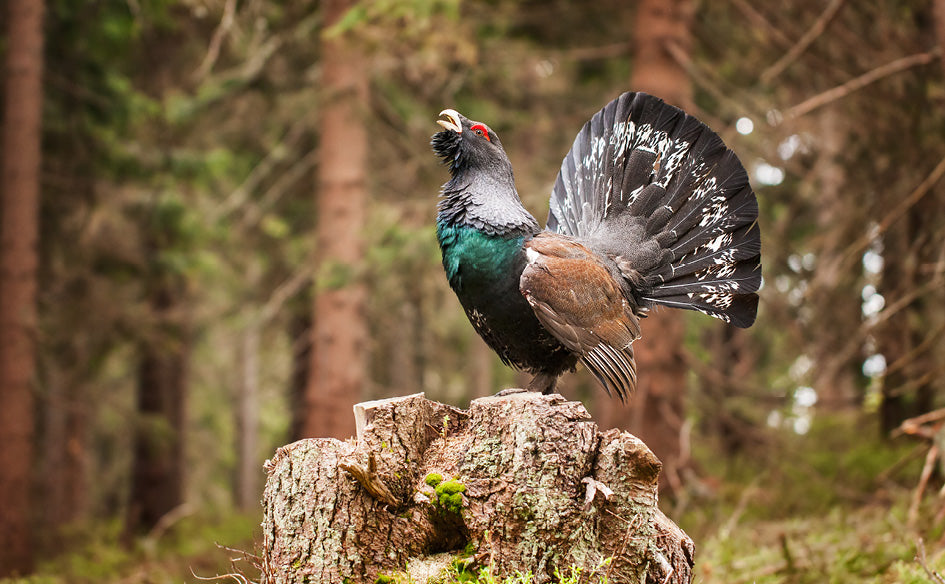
(179, 148)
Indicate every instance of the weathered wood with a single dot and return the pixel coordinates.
(544, 489)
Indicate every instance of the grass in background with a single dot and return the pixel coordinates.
(829, 506)
(826, 507)
(195, 545)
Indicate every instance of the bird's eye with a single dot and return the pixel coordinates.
(481, 130)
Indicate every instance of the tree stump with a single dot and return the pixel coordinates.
(520, 482)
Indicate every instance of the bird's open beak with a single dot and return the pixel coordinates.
(453, 123)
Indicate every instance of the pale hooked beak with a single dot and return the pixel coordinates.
(453, 123)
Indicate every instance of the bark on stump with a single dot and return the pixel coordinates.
(349, 511)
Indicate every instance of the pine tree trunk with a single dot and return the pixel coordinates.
(300, 337)
(247, 421)
(657, 410)
(350, 511)
(658, 405)
(19, 203)
(65, 453)
(834, 289)
(938, 9)
(158, 469)
(337, 375)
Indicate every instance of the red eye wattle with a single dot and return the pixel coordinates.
(482, 131)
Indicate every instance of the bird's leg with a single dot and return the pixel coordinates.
(543, 382)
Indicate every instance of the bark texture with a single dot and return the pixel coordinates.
(339, 332)
(349, 511)
(19, 235)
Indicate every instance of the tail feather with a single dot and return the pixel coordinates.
(726, 249)
(718, 278)
(658, 191)
(740, 214)
(739, 310)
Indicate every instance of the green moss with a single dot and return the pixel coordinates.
(433, 479)
(449, 496)
(383, 579)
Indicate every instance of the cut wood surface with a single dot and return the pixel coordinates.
(519, 482)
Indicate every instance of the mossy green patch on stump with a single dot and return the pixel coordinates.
(449, 495)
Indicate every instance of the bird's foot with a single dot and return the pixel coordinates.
(543, 383)
(512, 391)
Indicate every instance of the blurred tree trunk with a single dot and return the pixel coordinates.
(938, 9)
(300, 337)
(723, 388)
(64, 455)
(404, 368)
(894, 337)
(248, 469)
(656, 411)
(339, 335)
(480, 375)
(834, 287)
(914, 265)
(158, 466)
(19, 204)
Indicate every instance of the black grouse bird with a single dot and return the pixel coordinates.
(649, 208)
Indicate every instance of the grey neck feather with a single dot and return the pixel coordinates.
(486, 200)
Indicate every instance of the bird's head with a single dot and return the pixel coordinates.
(464, 144)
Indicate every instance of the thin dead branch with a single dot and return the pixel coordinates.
(594, 53)
(277, 153)
(920, 558)
(929, 342)
(370, 480)
(213, 51)
(912, 425)
(930, 458)
(286, 290)
(286, 180)
(817, 29)
(857, 83)
(168, 520)
(855, 250)
(759, 21)
(907, 203)
(702, 78)
(241, 579)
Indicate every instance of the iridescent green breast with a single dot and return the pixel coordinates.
(473, 259)
(484, 270)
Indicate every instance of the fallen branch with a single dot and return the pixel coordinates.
(929, 426)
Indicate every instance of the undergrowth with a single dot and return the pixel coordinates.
(828, 506)
(196, 547)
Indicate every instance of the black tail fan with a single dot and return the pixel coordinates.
(658, 191)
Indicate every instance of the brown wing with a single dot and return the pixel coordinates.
(575, 297)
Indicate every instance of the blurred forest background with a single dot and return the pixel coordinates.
(216, 234)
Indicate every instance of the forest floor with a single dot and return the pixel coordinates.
(834, 509)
